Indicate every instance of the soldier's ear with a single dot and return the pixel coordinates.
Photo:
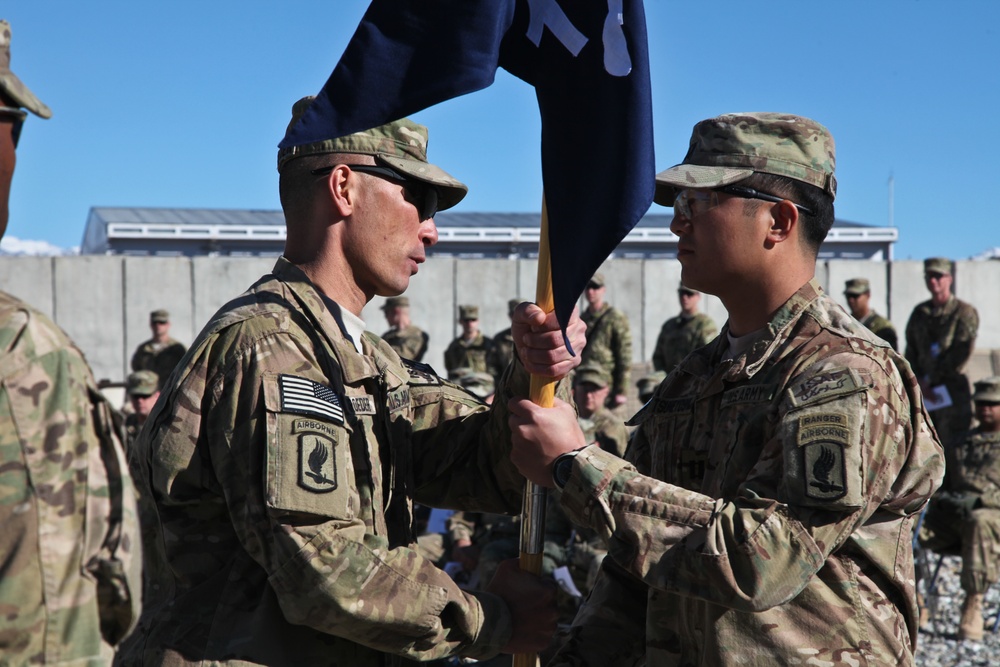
(343, 188)
(783, 221)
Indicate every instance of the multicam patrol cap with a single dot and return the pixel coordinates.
(401, 145)
(468, 313)
(687, 290)
(592, 373)
(856, 286)
(647, 385)
(939, 265)
(159, 315)
(987, 390)
(729, 148)
(598, 279)
(12, 86)
(396, 302)
(142, 383)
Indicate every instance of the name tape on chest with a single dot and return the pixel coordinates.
(754, 393)
(303, 396)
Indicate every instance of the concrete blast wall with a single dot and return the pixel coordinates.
(103, 302)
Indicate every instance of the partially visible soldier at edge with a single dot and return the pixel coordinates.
(765, 509)
(161, 353)
(858, 293)
(964, 515)
(940, 339)
(69, 535)
(503, 343)
(142, 389)
(683, 333)
(471, 349)
(286, 455)
(408, 340)
(609, 340)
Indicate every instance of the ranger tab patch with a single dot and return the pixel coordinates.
(303, 396)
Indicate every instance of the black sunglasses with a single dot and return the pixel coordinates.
(750, 193)
(423, 195)
(17, 117)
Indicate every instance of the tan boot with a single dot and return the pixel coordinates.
(971, 625)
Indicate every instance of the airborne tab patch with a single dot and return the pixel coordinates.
(304, 397)
(825, 476)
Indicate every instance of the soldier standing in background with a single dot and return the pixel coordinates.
(965, 514)
(940, 338)
(408, 340)
(142, 389)
(609, 340)
(765, 510)
(471, 350)
(503, 344)
(161, 353)
(286, 455)
(69, 536)
(683, 333)
(858, 293)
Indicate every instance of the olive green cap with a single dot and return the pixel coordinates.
(987, 390)
(401, 144)
(142, 383)
(159, 315)
(648, 384)
(941, 265)
(687, 290)
(856, 286)
(592, 373)
(396, 302)
(729, 148)
(597, 279)
(468, 313)
(12, 86)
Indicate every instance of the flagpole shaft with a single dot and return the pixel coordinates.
(543, 393)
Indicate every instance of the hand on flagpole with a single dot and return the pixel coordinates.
(540, 436)
(539, 341)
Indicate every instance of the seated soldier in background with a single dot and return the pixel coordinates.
(858, 293)
(591, 385)
(965, 514)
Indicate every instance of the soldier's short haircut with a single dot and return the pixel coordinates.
(815, 227)
(297, 184)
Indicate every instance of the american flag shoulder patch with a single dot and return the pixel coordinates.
(303, 396)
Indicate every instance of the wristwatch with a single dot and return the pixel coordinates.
(562, 468)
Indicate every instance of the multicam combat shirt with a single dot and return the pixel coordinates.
(764, 514)
(284, 466)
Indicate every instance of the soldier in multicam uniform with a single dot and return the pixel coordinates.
(161, 353)
(408, 340)
(70, 588)
(503, 344)
(965, 514)
(609, 340)
(858, 293)
(286, 454)
(764, 512)
(684, 333)
(142, 389)
(471, 350)
(940, 338)
(591, 385)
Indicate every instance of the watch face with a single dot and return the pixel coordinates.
(562, 469)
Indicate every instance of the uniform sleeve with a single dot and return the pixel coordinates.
(659, 363)
(708, 331)
(621, 347)
(290, 483)
(914, 327)
(957, 354)
(844, 438)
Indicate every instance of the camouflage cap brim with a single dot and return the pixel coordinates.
(671, 181)
(450, 190)
(12, 86)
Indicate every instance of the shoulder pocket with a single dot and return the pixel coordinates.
(309, 467)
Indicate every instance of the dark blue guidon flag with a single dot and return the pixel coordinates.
(588, 62)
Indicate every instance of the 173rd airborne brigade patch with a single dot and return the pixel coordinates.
(317, 439)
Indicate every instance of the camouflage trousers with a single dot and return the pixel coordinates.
(976, 537)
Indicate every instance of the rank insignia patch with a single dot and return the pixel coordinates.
(317, 466)
(825, 477)
(305, 397)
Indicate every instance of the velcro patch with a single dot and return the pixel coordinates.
(754, 393)
(421, 373)
(822, 426)
(825, 475)
(304, 397)
(826, 385)
(362, 405)
(399, 399)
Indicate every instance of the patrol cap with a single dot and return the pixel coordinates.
(597, 280)
(12, 86)
(647, 385)
(479, 384)
(512, 306)
(592, 373)
(401, 144)
(468, 313)
(856, 286)
(142, 383)
(987, 390)
(729, 148)
(687, 290)
(159, 315)
(396, 302)
(939, 265)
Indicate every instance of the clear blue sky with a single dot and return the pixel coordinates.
(181, 104)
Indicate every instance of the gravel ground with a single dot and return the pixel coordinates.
(938, 644)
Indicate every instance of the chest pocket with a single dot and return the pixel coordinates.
(309, 466)
(667, 423)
